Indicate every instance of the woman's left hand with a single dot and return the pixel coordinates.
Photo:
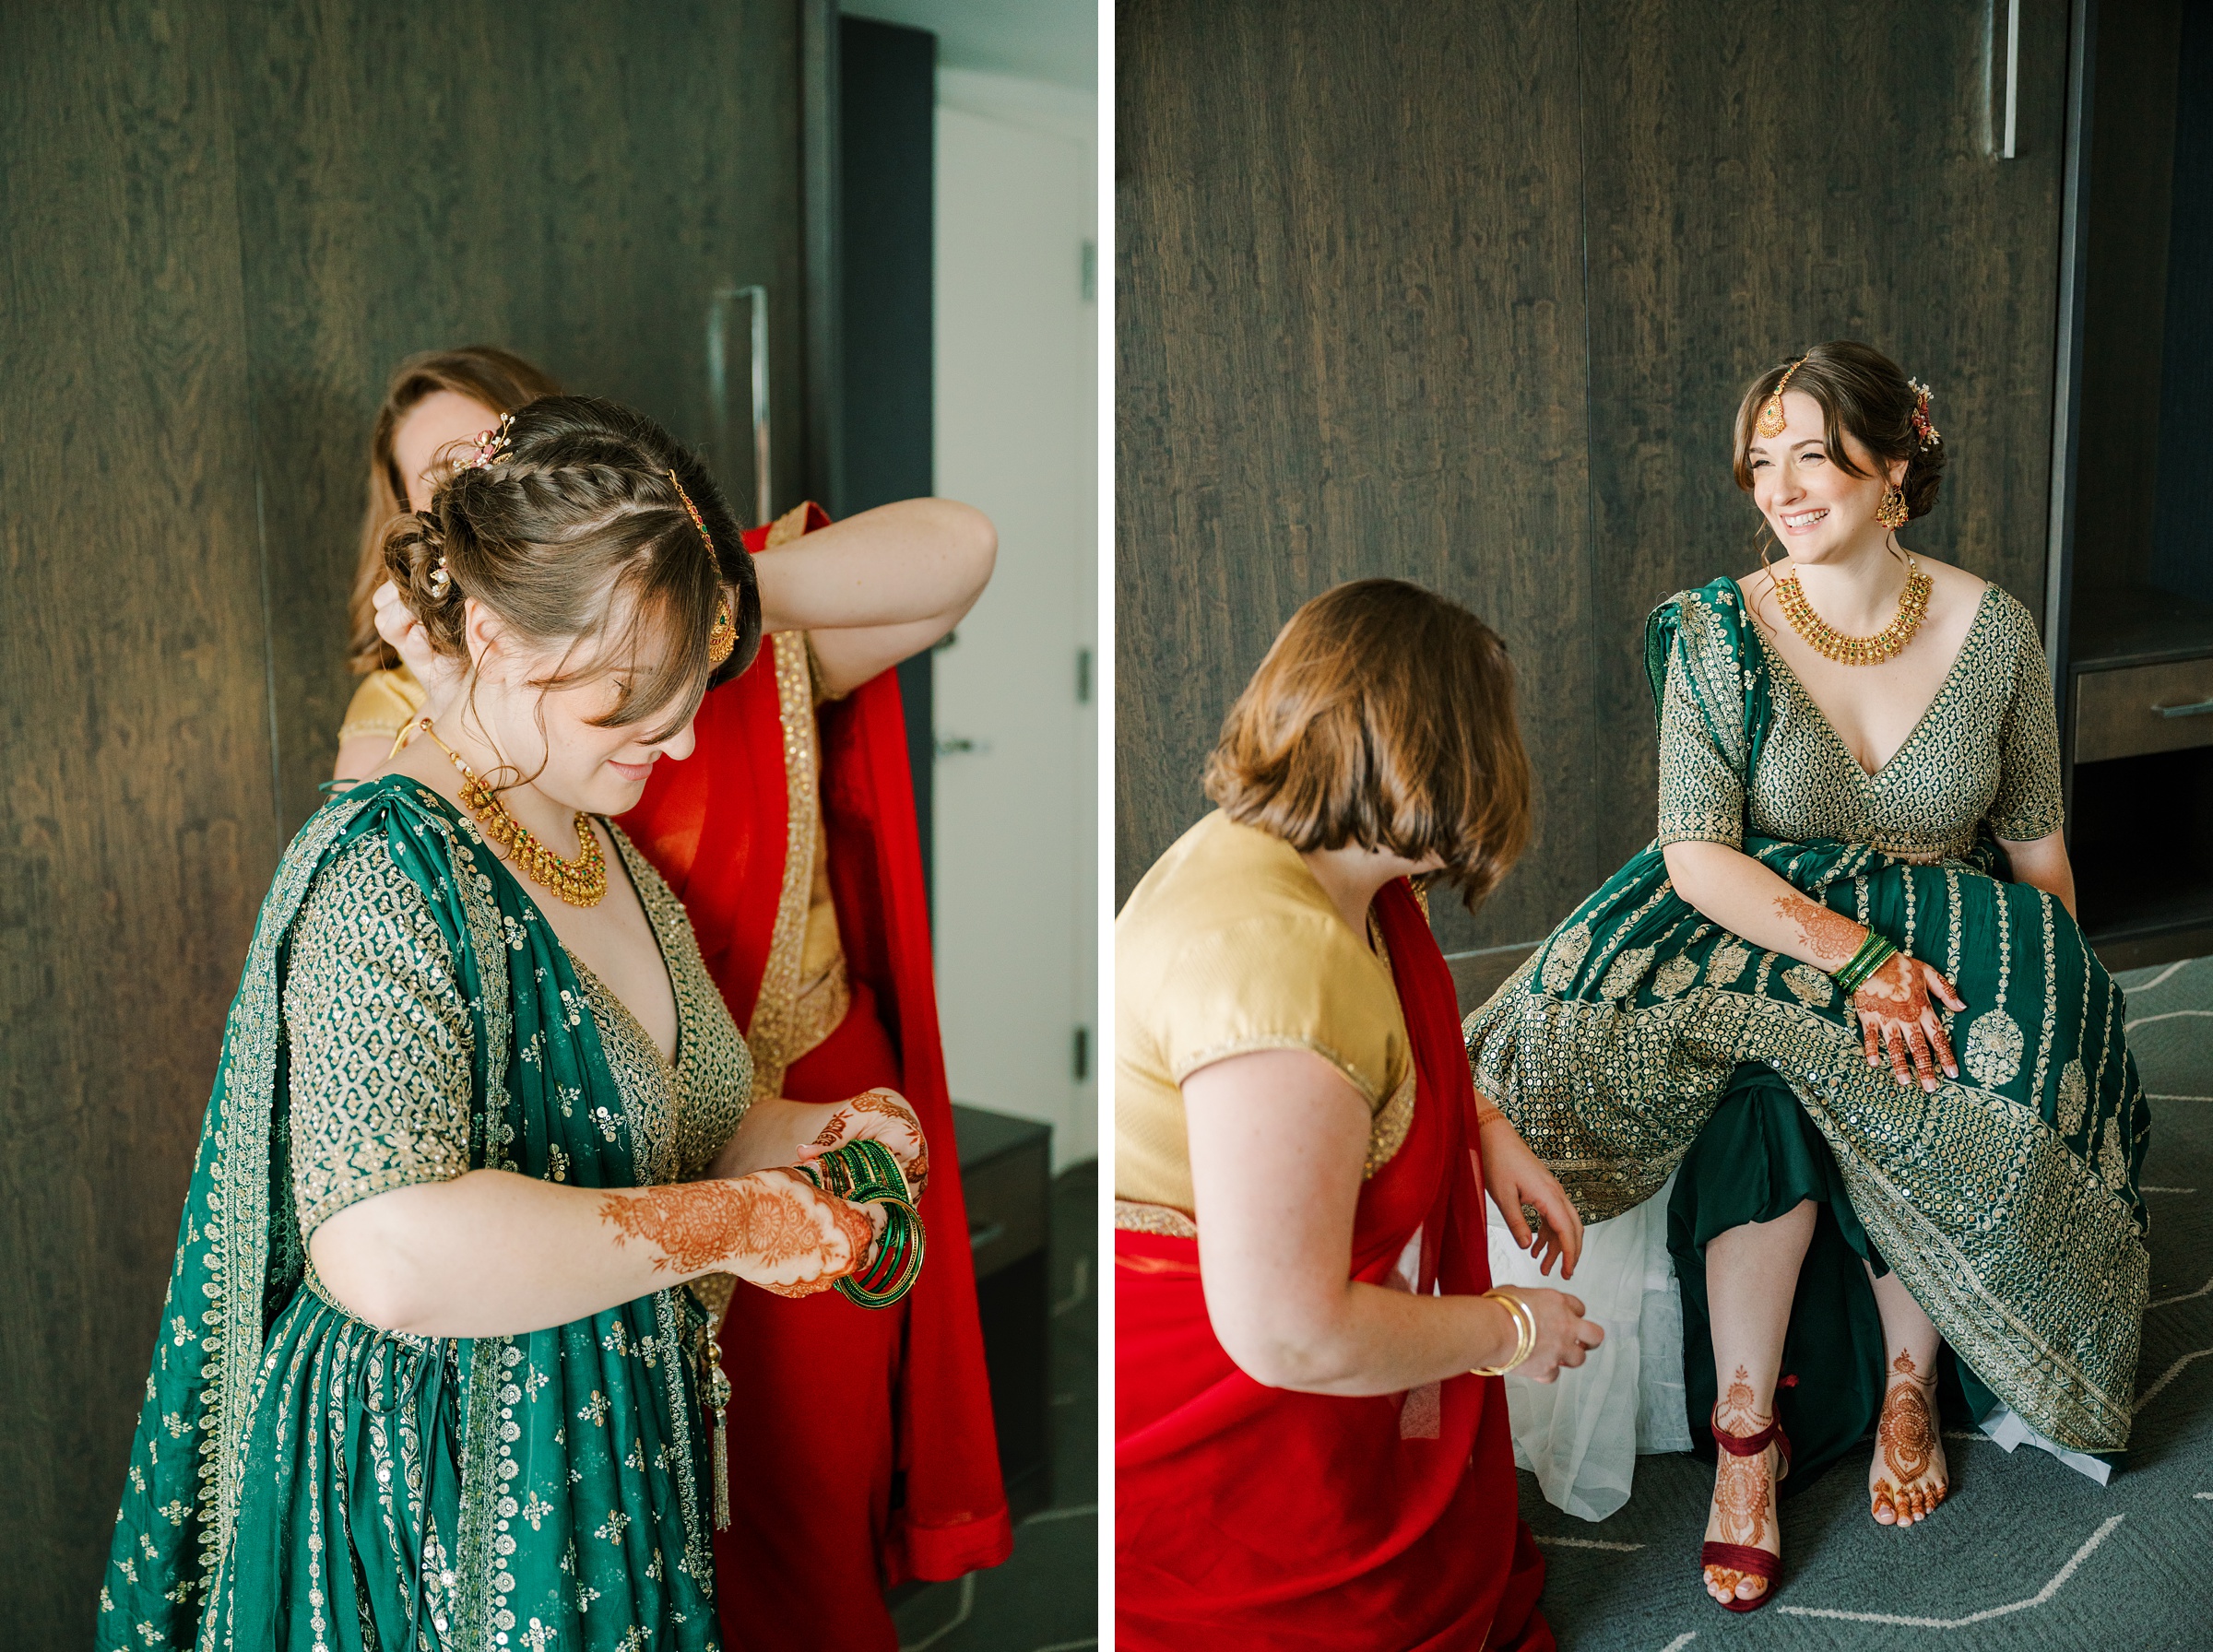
(1514, 1177)
(880, 1115)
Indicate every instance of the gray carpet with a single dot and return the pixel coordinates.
(1045, 1599)
(2026, 1553)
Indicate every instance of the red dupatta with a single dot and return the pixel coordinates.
(722, 829)
(1257, 1517)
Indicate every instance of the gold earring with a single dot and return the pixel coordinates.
(1891, 512)
(722, 639)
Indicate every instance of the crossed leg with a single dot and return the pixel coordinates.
(1909, 1477)
(1751, 1275)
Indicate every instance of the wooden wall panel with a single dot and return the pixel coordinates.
(1760, 178)
(137, 827)
(573, 181)
(1350, 342)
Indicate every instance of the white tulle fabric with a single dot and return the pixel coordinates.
(1581, 1435)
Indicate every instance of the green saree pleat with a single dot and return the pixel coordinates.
(1641, 1037)
(301, 1480)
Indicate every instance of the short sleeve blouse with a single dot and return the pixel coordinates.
(1228, 946)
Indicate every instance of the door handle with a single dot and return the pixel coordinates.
(956, 745)
(2004, 85)
(719, 386)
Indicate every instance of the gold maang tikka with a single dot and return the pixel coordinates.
(1771, 420)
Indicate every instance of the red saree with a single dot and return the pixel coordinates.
(1251, 1516)
(861, 1445)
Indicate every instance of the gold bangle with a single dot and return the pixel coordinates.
(1526, 1333)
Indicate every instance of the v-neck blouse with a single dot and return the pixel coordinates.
(379, 1035)
(1986, 749)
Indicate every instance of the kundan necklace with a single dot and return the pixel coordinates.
(1831, 643)
(580, 882)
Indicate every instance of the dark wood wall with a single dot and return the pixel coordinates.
(225, 224)
(1468, 295)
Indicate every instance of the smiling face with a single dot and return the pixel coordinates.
(1815, 507)
(426, 429)
(551, 730)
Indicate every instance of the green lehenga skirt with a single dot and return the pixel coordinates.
(2005, 1200)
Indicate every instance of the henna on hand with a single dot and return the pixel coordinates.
(1830, 936)
(913, 1153)
(1894, 1005)
(771, 1229)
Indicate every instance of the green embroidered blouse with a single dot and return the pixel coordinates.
(1986, 749)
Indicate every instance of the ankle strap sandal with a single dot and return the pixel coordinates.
(1740, 1557)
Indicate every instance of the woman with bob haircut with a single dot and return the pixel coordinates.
(1843, 998)
(1311, 1440)
(432, 1371)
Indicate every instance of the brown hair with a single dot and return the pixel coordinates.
(1860, 392)
(1383, 715)
(580, 509)
(502, 382)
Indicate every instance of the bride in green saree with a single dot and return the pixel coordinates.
(1842, 999)
(434, 1368)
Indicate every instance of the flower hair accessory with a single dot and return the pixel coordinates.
(491, 445)
(1771, 419)
(722, 639)
(1925, 432)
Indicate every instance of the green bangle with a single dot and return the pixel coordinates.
(865, 1172)
(1875, 953)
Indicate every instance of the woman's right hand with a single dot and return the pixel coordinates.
(1564, 1336)
(1894, 1012)
(440, 677)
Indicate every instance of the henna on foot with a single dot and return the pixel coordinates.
(1908, 1478)
(1743, 1496)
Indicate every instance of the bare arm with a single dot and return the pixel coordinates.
(878, 586)
(494, 1254)
(2042, 863)
(1277, 1142)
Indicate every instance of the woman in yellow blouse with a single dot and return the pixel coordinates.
(434, 400)
(1311, 1440)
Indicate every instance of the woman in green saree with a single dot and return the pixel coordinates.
(429, 1374)
(1842, 999)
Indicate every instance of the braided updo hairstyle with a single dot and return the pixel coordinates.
(1862, 392)
(576, 512)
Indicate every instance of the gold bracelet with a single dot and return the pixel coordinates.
(1526, 1333)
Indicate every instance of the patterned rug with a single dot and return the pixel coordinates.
(2025, 1553)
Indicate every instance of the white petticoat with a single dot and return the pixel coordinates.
(1581, 1435)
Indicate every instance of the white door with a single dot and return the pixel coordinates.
(1016, 715)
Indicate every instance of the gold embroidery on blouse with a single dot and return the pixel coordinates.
(380, 1039)
(774, 1031)
(1131, 1217)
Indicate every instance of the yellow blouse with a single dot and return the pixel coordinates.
(1229, 945)
(385, 703)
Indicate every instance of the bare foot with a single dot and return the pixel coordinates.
(1743, 1496)
(1908, 1478)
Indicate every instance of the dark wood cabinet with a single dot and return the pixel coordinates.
(226, 223)
(1006, 1178)
(2132, 581)
(1469, 295)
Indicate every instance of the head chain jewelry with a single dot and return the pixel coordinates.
(723, 637)
(1923, 431)
(1771, 419)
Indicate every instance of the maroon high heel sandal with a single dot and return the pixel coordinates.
(1741, 1557)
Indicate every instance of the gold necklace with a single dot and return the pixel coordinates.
(1846, 650)
(580, 882)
